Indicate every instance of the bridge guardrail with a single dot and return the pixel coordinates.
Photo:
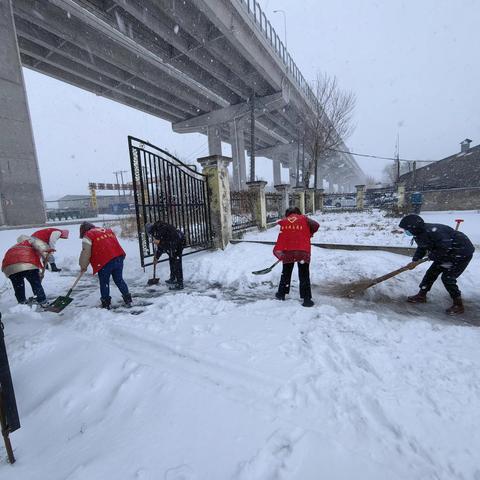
(260, 19)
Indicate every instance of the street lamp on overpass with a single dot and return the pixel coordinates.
(284, 24)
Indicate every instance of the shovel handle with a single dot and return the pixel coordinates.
(396, 272)
(75, 283)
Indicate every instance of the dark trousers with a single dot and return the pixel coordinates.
(175, 261)
(114, 269)
(303, 276)
(33, 278)
(450, 271)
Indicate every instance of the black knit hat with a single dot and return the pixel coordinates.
(413, 223)
(85, 227)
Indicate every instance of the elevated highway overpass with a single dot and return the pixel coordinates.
(194, 63)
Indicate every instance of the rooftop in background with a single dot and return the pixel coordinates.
(461, 170)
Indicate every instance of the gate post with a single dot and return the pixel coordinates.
(259, 207)
(301, 193)
(360, 196)
(283, 189)
(319, 197)
(215, 169)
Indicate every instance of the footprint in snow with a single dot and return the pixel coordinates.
(181, 472)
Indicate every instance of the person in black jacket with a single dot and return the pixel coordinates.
(169, 240)
(450, 251)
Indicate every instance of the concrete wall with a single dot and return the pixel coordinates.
(21, 196)
(452, 199)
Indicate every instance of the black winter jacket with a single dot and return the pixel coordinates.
(441, 242)
(171, 239)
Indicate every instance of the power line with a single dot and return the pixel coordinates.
(381, 158)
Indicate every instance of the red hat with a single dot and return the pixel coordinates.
(64, 234)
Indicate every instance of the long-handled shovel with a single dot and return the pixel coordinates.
(61, 302)
(266, 270)
(154, 280)
(356, 288)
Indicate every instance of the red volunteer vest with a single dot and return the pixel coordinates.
(21, 253)
(293, 243)
(105, 247)
(44, 234)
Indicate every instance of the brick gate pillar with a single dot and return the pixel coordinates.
(360, 196)
(215, 168)
(257, 189)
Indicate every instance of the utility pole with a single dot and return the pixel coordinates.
(123, 182)
(118, 183)
(397, 157)
(116, 173)
(252, 137)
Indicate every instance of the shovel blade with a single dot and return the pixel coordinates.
(263, 272)
(59, 304)
(153, 281)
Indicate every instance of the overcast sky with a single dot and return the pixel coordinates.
(413, 66)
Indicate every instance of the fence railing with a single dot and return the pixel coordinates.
(294, 199)
(243, 207)
(273, 203)
(384, 198)
(261, 21)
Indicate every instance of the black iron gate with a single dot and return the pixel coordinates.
(168, 190)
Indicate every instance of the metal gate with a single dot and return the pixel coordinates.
(168, 190)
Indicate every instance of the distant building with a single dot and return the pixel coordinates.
(105, 203)
(461, 170)
(452, 183)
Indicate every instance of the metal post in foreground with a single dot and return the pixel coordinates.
(9, 420)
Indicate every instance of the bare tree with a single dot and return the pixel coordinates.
(330, 123)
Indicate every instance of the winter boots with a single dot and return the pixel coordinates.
(176, 286)
(127, 298)
(308, 302)
(420, 297)
(457, 307)
(106, 302)
(54, 268)
(170, 281)
(280, 296)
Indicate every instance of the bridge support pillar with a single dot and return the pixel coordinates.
(214, 141)
(237, 137)
(21, 195)
(292, 169)
(277, 172)
(215, 167)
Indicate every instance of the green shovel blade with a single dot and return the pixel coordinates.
(59, 304)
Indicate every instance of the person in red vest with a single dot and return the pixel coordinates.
(100, 249)
(49, 237)
(23, 262)
(293, 245)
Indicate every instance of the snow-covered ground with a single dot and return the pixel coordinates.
(223, 382)
(373, 228)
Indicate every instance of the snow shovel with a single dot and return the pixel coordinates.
(266, 270)
(356, 288)
(61, 302)
(154, 280)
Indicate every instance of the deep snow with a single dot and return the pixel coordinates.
(222, 382)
